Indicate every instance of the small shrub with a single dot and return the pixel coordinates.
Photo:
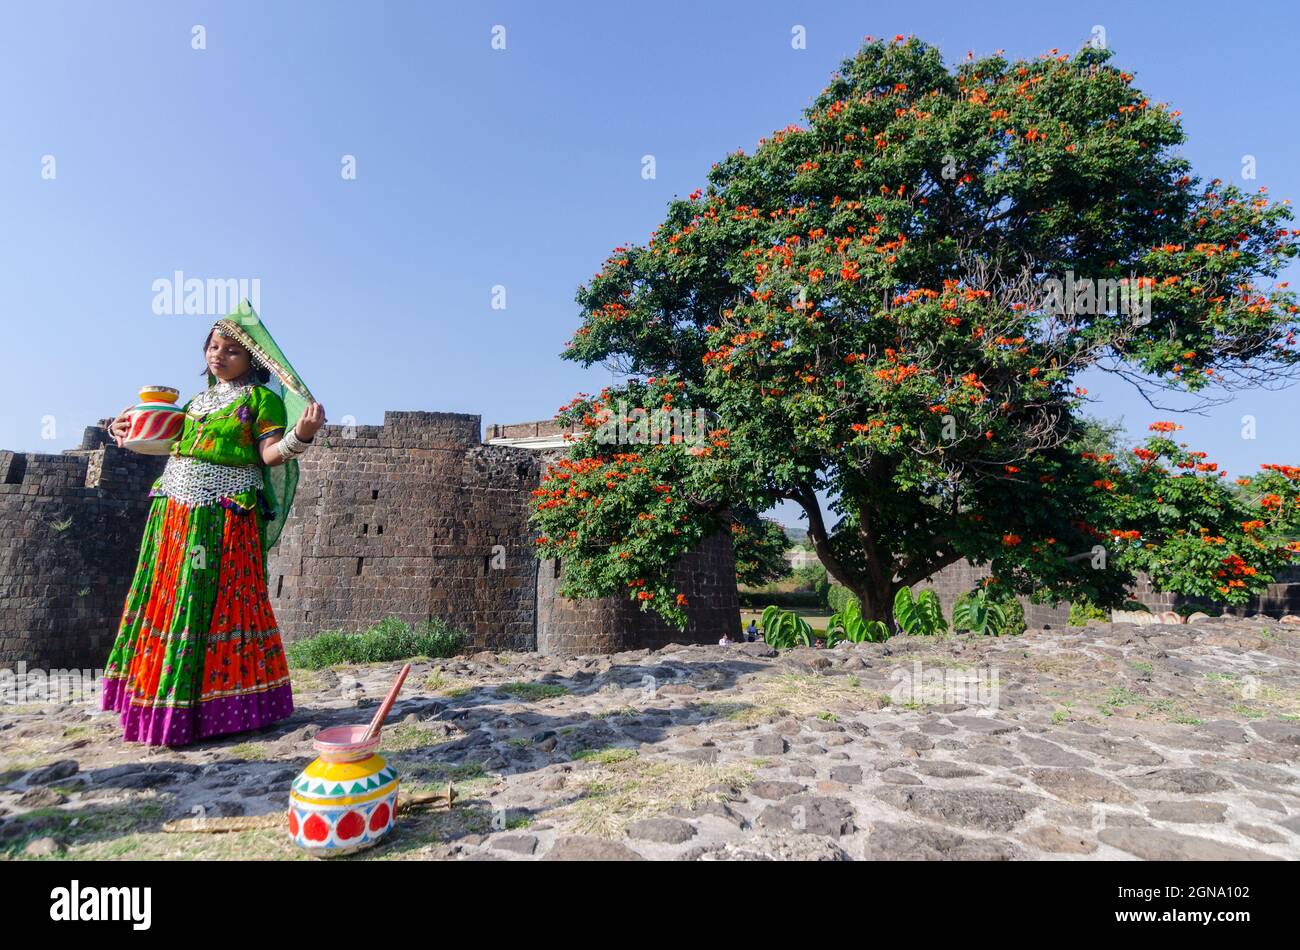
(1013, 619)
(1015, 612)
(1082, 612)
(839, 597)
(390, 639)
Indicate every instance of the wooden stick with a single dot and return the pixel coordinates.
(382, 712)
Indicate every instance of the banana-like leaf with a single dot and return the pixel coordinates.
(931, 612)
(905, 610)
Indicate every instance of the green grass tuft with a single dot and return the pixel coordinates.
(532, 692)
(390, 639)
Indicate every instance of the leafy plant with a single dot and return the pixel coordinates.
(759, 546)
(978, 613)
(848, 624)
(1082, 612)
(814, 577)
(839, 596)
(784, 628)
(920, 615)
(390, 639)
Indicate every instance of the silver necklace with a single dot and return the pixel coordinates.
(221, 394)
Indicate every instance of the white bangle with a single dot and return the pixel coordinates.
(291, 446)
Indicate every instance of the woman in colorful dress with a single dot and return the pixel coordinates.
(198, 653)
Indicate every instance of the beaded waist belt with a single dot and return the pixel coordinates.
(193, 481)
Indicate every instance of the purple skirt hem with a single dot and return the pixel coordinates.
(180, 725)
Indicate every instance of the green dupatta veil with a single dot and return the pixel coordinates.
(279, 481)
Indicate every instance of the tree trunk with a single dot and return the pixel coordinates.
(875, 591)
(877, 602)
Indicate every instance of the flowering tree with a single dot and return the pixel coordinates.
(889, 306)
(1194, 533)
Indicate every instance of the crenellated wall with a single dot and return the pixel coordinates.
(416, 519)
(70, 528)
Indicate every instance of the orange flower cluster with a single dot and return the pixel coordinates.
(1164, 426)
(1235, 568)
(896, 374)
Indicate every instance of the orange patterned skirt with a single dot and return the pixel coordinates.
(198, 653)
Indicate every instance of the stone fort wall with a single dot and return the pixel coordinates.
(70, 529)
(415, 518)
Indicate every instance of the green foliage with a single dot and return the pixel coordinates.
(1015, 616)
(534, 692)
(1081, 612)
(1192, 531)
(789, 599)
(839, 596)
(814, 575)
(921, 615)
(760, 545)
(390, 639)
(848, 624)
(980, 614)
(784, 629)
(857, 307)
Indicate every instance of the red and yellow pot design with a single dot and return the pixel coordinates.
(156, 422)
(346, 799)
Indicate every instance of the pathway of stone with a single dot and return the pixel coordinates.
(1106, 742)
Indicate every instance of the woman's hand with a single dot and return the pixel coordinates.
(120, 426)
(309, 423)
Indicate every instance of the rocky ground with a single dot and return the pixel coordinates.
(1107, 742)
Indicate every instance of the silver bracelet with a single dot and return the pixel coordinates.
(291, 446)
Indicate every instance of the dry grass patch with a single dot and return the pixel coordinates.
(451, 687)
(406, 738)
(1251, 696)
(800, 694)
(619, 792)
(248, 751)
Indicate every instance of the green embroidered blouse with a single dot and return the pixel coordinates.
(231, 436)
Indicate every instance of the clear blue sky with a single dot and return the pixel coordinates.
(475, 168)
